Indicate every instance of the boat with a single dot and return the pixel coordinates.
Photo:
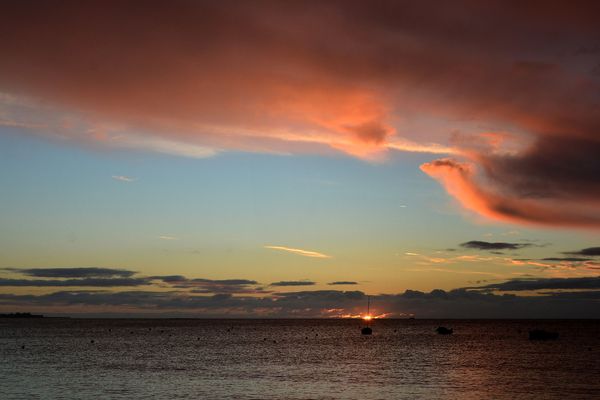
(540, 334)
(366, 330)
(442, 330)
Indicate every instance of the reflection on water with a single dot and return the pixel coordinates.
(296, 359)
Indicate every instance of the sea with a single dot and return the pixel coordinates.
(55, 358)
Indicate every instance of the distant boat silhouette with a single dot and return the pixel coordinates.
(366, 330)
(540, 334)
(442, 330)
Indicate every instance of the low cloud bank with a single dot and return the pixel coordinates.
(555, 298)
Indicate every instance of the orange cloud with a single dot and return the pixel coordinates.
(459, 179)
(301, 252)
(363, 78)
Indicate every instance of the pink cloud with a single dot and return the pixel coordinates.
(480, 81)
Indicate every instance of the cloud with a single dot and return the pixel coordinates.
(109, 277)
(77, 272)
(514, 188)
(123, 178)
(293, 283)
(201, 285)
(590, 251)
(571, 259)
(458, 303)
(546, 283)
(593, 295)
(95, 282)
(167, 237)
(306, 101)
(480, 245)
(305, 253)
(343, 283)
(159, 145)
(479, 81)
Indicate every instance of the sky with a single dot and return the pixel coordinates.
(289, 159)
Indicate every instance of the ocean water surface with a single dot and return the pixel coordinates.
(295, 359)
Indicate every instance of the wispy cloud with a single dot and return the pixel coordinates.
(74, 272)
(413, 147)
(201, 285)
(454, 271)
(294, 283)
(168, 237)
(161, 145)
(123, 178)
(301, 252)
(545, 283)
(79, 282)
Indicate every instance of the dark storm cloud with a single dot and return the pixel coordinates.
(293, 283)
(569, 259)
(258, 75)
(545, 283)
(480, 245)
(99, 282)
(590, 251)
(343, 283)
(78, 272)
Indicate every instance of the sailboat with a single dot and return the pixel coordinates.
(366, 330)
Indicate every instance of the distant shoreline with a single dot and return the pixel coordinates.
(21, 315)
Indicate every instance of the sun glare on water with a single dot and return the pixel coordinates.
(367, 317)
